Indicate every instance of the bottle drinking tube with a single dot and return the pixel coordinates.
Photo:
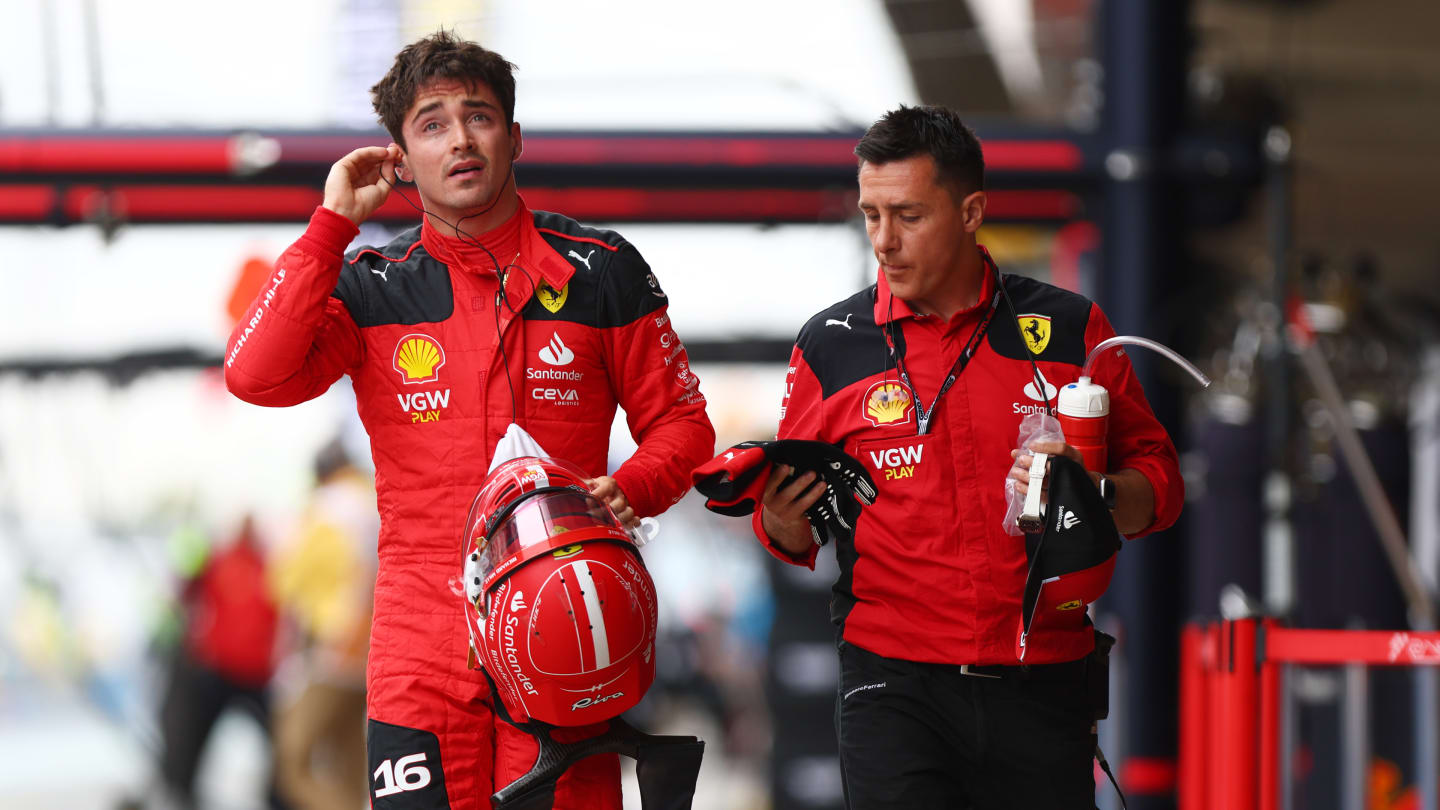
(1084, 405)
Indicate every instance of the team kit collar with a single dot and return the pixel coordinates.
(884, 313)
(535, 252)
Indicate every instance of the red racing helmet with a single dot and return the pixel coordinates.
(560, 608)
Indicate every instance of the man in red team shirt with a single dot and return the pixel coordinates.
(924, 378)
(486, 313)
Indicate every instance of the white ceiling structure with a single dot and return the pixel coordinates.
(277, 63)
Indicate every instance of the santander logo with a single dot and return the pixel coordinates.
(1050, 390)
(556, 353)
(1034, 394)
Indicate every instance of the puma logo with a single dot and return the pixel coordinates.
(585, 258)
(381, 273)
(845, 323)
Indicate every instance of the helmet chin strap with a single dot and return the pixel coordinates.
(666, 767)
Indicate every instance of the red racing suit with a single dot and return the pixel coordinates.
(440, 364)
(929, 574)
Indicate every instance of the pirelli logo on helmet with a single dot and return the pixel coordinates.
(418, 359)
(888, 402)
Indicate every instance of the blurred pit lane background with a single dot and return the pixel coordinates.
(1208, 170)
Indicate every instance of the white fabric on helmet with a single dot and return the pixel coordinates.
(514, 444)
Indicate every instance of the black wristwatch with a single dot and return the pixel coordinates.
(1107, 491)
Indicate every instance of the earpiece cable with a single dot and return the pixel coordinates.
(502, 274)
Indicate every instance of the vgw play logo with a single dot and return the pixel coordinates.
(897, 462)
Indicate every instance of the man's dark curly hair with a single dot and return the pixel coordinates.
(934, 131)
(441, 55)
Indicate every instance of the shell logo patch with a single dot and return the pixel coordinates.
(549, 298)
(1036, 329)
(888, 402)
(418, 358)
(1073, 604)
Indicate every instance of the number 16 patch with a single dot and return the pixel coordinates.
(405, 771)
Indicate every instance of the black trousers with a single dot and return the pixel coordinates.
(194, 700)
(920, 736)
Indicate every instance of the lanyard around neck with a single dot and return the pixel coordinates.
(923, 415)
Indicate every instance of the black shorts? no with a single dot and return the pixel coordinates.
(920, 736)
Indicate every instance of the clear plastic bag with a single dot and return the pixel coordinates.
(1035, 427)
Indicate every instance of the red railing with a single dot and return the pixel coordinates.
(1230, 694)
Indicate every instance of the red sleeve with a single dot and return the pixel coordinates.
(295, 340)
(801, 417)
(651, 378)
(1137, 440)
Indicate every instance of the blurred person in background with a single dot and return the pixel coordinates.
(324, 578)
(488, 313)
(224, 660)
(934, 708)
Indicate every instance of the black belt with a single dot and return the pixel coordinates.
(1055, 673)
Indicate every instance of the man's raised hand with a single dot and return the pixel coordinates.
(359, 182)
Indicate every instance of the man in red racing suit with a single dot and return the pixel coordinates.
(486, 313)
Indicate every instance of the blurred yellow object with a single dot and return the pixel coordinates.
(1017, 244)
(314, 579)
(39, 633)
(188, 548)
(323, 576)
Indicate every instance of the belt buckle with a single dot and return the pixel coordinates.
(966, 670)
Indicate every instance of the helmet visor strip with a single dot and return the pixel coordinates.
(538, 516)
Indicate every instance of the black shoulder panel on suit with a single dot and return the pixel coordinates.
(564, 233)
(1068, 314)
(842, 344)
(612, 285)
(575, 302)
(399, 283)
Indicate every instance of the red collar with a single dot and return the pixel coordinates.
(517, 233)
(888, 307)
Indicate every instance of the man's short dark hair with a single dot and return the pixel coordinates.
(927, 130)
(441, 55)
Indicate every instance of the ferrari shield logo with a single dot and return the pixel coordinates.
(1036, 329)
(549, 298)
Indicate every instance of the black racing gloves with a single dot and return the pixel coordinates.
(734, 481)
